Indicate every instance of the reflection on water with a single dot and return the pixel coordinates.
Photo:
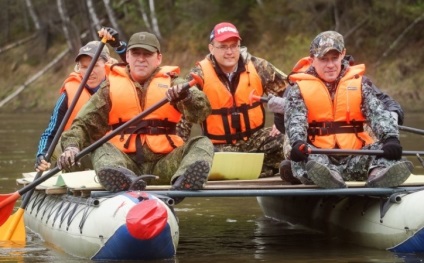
(211, 229)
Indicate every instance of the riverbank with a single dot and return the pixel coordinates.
(398, 76)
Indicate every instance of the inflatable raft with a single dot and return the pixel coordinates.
(393, 222)
(100, 225)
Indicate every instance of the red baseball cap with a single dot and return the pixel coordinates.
(224, 31)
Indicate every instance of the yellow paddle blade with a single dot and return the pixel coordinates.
(14, 228)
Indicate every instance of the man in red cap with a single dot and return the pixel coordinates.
(230, 75)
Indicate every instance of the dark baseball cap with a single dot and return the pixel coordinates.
(326, 41)
(90, 49)
(144, 40)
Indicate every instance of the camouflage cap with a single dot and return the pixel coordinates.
(90, 50)
(326, 41)
(144, 40)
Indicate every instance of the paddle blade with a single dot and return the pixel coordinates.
(14, 228)
(7, 203)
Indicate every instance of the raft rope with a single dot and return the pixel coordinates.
(86, 211)
(39, 199)
(66, 206)
(63, 208)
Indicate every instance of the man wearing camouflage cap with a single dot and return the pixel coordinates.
(327, 106)
(150, 147)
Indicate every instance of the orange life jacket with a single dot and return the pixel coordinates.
(70, 86)
(158, 129)
(339, 122)
(233, 116)
(302, 65)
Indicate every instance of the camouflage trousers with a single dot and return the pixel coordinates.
(260, 142)
(167, 166)
(351, 167)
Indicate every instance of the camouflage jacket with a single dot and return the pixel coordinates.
(91, 122)
(273, 80)
(389, 103)
(380, 120)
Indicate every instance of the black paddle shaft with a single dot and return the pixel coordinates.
(411, 130)
(358, 152)
(65, 119)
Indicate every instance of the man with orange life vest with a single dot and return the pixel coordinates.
(276, 105)
(67, 93)
(151, 146)
(326, 108)
(230, 74)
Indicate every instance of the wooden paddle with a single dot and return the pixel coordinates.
(7, 201)
(14, 228)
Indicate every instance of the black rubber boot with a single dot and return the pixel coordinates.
(194, 178)
(115, 179)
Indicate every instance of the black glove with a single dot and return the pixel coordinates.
(115, 43)
(67, 158)
(279, 122)
(299, 151)
(392, 150)
(175, 93)
(38, 160)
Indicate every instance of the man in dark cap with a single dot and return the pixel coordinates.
(327, 107)
(67, 93)
(151, 146)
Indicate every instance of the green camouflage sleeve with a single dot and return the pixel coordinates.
(195, 109)
(274, 81)
(198, 71)
(380, 120)
(184, 129)
(295, 115)
(91, 123)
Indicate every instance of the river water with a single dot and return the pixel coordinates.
(214, 230)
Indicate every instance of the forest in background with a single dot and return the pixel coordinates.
(387, 36)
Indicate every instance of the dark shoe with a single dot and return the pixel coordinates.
(324, 177)
(286, 173)
(115, 179)
(391, 176)
(194, 178)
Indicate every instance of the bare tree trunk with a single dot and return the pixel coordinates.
(112, 18)
(33, 15)
(356, 27)
(25, 15)
(336, 17)
(17, 43)
(396, 42)
(144, 15)
(94, 19)
(33, 78)
(4, 21)
(66, 26)
(155, 25)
